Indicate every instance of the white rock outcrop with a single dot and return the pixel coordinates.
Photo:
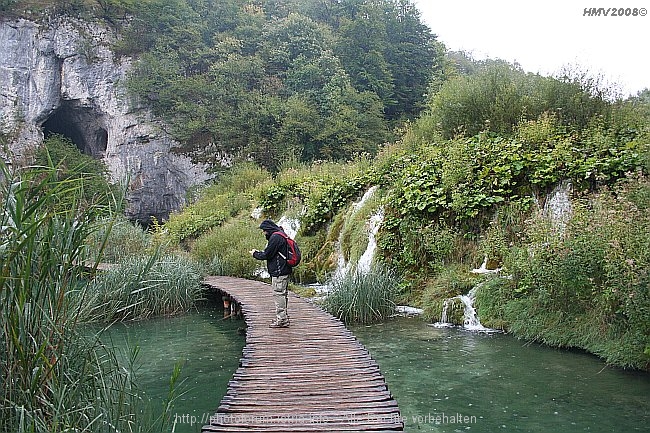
(61, 76)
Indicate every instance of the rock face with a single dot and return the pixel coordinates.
(61, 77)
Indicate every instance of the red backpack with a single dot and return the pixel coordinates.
(294, 252)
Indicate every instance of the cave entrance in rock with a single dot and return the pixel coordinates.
(82, 125)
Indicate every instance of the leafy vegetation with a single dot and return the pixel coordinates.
(451, 203)
(231, 194)
(313, 91)
(88, 175)
(53, 376)
(588, 288)
(274, 79)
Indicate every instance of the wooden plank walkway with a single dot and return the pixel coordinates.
(312, 376)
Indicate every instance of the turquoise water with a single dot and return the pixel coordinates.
(450, 380)
(445, 380)
(209, 349)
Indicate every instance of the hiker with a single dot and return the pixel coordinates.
(276, 255)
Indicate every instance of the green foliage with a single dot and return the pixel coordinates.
(116, 238)
(142, 287)
(462, 182)
(363, 298)
(88, 175)
(225, 249)
(587, 289)
(48, 365)
(497, 97)
(231, 194)
(321, 209)
(418, 246)
(251, 81)
(6, 4)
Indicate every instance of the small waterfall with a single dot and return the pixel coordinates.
(558, 207)
(342, 266)
(365, 261)
(471, 321)
(484, 268)
(257, 213)
(291, 226)
(358, 205)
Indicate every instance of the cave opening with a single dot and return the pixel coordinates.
(81, 125)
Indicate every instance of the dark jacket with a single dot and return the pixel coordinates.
(276, 250)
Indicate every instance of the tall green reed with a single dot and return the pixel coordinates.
(363, 297)
(141, 287)
(53, 378)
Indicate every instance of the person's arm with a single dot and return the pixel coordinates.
(271, 249)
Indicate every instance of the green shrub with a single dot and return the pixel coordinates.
(363, 298)
(231, 193)
(499, 96)
(229, 246)
(587, 289)
(89, 176)
(120, 238)
(142, 287)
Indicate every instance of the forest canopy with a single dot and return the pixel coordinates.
(271, 80)
(307, 80)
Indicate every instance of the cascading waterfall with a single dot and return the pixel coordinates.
(365, 261)
(342, 266)
(558, 207)
(471, 321)
(291, 226)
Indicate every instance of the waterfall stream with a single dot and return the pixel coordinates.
(471, 321)
(365, 261)
(342, 266)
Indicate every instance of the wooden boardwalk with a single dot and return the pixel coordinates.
(312, 376)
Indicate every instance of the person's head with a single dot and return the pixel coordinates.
(269, 227)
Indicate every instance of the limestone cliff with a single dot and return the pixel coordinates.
(61, 77)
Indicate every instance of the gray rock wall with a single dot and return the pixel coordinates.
(62, 77)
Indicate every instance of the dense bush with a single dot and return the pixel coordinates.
(231, 193)
(587, 289)
(225, 249)
(499, 96)
(86, 177)
(117, 239)
(457, 186)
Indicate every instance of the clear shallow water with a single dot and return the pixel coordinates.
(494, 382)
(208, 347)
(498, 383)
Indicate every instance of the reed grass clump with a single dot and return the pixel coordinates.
(144, 286)
(122, 239)
(53, 377)
(363, 297)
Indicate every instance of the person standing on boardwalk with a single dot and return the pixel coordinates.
(275, 254)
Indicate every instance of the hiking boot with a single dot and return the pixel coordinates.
(279, 324)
